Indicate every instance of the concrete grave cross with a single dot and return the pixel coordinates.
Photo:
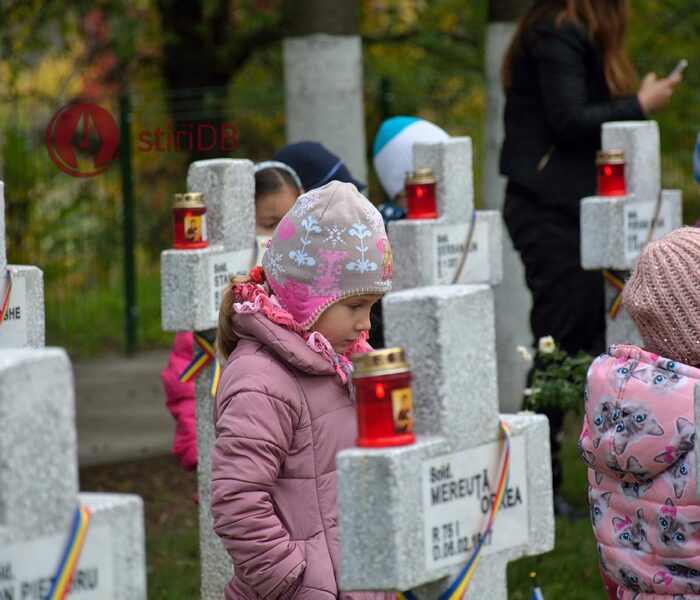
(429, 251)
(410, 516)
(192, 282)
(614, 229)
(39, 491)
(38, 467)
(23, 324)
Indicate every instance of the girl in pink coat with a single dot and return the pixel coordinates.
(638, 435)
(284, 406)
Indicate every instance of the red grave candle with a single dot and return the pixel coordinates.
(420, 194)
(384, 401)
(189, 222)
(610, 165)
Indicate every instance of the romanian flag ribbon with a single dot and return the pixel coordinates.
(201, 360)
(618, 285)
(8, 293)
(459, 587)
(467, 247)
(63, 578)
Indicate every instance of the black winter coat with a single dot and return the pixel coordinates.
(555, 107)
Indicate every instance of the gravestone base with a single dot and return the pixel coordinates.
(430, 251)
(216, 564)
(615, 228)
(122, 515)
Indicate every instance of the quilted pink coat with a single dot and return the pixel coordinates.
(281, 415)
(638, 441)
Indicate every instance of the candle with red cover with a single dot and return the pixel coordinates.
(189, 221)
(610, 166)
(382, 381)
(420, 194)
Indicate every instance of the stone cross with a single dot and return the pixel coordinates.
(410, 516)
(614, 229)
(23, 325)
(39, 489)
(428, 251)
(192, 282)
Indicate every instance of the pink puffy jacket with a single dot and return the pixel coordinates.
(180, 401)
(281, 415)
(638, 441)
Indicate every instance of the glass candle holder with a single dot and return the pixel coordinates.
(384, 401)
(610, 166)
(420, 194)
(189, 222)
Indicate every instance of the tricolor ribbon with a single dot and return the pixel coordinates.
(201, 360)
(63, 578)
(467, 247)
(459, 587)
(8, 293)
(618, 285)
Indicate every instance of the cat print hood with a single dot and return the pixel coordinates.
(638, 441)
(639, 414)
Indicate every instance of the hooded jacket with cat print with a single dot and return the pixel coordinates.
(637, 440)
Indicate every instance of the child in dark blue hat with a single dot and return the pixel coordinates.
(315, 165)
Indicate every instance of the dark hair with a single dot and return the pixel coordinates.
(605, 22)
(272, 179)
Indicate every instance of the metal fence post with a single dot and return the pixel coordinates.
(130, 304)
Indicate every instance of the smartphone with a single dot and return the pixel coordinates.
(679, 68)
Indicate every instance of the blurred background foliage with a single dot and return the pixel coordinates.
(212, 61)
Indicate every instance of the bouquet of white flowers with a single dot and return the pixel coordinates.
(558, 379)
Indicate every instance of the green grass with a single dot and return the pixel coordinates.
(91, 323)
(570, 571)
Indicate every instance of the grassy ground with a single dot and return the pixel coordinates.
(172, 552)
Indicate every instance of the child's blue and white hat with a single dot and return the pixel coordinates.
(393, 149)
(696, 160)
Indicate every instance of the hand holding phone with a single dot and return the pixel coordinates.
(679, 68)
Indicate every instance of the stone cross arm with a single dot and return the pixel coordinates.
(410, 516)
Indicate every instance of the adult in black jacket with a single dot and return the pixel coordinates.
(565, 74)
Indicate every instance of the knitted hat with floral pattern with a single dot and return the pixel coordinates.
(663, 296)
(330, 245)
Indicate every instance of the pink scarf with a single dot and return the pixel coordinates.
(253, 298)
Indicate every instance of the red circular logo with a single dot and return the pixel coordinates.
(87, 130)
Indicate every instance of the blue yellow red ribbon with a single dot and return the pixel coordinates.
(467, 247)
(201, 360)
(63, 578)
(6, 300)
(459, 586)
(618, 285)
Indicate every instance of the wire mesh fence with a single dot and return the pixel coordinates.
(71, 227)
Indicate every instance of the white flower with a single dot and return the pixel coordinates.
(546, 344)
(524, 353)
(531, 391)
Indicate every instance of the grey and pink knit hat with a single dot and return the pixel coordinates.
(330, 245)
(663, 296)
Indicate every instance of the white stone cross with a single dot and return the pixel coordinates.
(23, 324)
(429, 251)
(39, 489)
(410, 516)
(192, 282)
(614, 229)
